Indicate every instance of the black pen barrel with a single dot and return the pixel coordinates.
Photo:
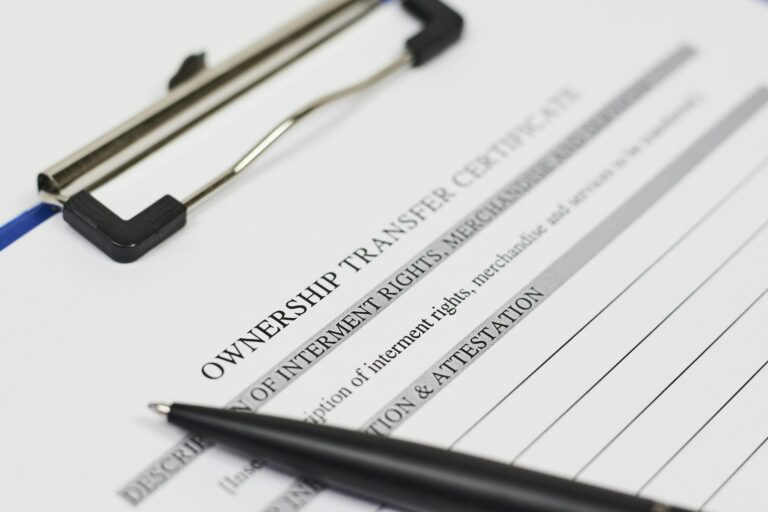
(402, 474)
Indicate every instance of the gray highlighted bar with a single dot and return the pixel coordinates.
(352, 320)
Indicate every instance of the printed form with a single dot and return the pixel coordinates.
(547, 248)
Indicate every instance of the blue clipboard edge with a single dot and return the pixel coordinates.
(25, 222)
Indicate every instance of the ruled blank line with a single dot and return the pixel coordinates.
(730, 477)
(695, 434)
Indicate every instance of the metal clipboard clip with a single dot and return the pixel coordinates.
(69, 182)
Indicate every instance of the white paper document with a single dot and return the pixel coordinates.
(547, 248)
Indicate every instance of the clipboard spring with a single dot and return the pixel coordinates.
(69, 183)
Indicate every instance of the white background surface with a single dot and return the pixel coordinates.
(256, 245)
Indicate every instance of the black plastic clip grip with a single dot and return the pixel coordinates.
(442, 28)
(124, 241)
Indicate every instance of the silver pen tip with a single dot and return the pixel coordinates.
(160, 408)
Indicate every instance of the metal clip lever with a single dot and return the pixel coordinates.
(127, 240)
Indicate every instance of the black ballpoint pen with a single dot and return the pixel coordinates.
(405, 475)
